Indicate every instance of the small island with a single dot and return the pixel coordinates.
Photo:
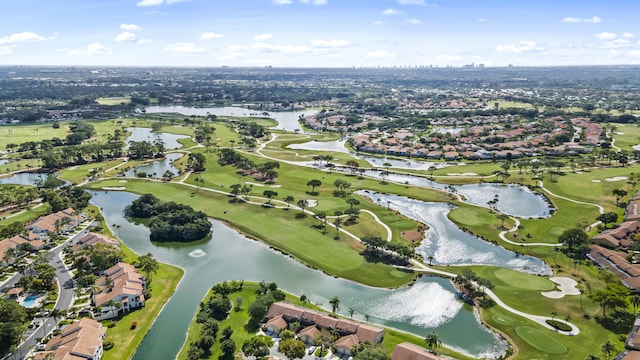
(169, 221)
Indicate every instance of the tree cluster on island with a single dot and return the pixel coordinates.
(170, 221)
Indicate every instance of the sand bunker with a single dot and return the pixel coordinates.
(463, 174)
(616, 178)
(122, 181)
(276, 186)
(114, 188)
(596, 180)
(312, 203)
(566, 286)
(72, 168)
(252, 183)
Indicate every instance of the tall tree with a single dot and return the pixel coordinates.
(433, 341)
(335, 304)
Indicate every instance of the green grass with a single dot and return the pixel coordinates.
(78, 174)
(163, 285)
(32, 213)
(626, 136)
(237, 320)
(18, 134)
(337, 257)
(113, 100)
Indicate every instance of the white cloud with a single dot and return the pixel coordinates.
(211, 35)
(605, 36)
(184, 48)
(20, 37)
(125, 36)
(628, 35)
(413, 21)
(91, 49)
(329, 43)
(144, 41)
(378, 54)
(262, 37)
(391, 11)
(282, 2)
(158, 2)
(591, 20)
(634, 54)
(379, 22)
(286, 49)
(130, 27)
(315, 2)
(522, 46)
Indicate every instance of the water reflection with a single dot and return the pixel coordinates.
(430, 303)
(145, 134)
(448, 245)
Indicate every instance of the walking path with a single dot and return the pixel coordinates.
(600, 208)
(542, 320)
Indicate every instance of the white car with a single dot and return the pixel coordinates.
(311, 350)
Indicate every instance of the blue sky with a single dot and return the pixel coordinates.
(319, 33)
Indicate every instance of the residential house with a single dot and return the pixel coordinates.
(617, 263)
(91, 239)
(409, 351)
(63, 220)
(122, 290)
(79, 340)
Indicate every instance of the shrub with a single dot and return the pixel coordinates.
(108, 345)
(133, 325)
(559, 325)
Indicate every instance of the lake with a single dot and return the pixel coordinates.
(287, 120)
(430, 304)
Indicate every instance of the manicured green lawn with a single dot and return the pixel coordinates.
(78, 174)
(163, 285)
(18, 134)
(30, 214)
(113, 100)
(237, 320)
(279, 228)
(626, 136)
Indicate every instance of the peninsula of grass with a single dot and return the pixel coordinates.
(280, 229)
(237, 320)
(163, 285)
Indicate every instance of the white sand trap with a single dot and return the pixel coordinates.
(252, 183)
(620, 133)
(276, 186)
(114, 188)
(463, 174)
(596, 180)
(566, 286)
(579, 172)
(72, 168)
(123, 181)
(616, 178)
(312, 203)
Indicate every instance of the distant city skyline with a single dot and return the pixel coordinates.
(319, 33)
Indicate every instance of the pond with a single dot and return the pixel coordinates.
(157, 167)
(448, 244)
(339, 146)
(4, 161)
(429, 304)
(287, 120)
(24, 178)
(145, 134)
(515, 200)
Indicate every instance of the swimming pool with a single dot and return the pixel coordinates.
(30, 300)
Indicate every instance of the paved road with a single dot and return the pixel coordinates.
(64, 302)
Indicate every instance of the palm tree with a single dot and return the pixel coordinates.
(608, 349)
(335, 304)
(553, 315)
(635, 301)
(289, 199)
(304, 299)
(351, 312)
(592, 357)
(433, 341)
(57, 314)
(148, 265)
(302, 203)
(367, 317)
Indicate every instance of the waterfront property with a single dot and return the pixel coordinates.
(281, 314)
(92, 239)
(409, 351)
(122, 290)
(80, 340)
(63, 220)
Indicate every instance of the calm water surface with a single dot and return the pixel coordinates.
(429, 304)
